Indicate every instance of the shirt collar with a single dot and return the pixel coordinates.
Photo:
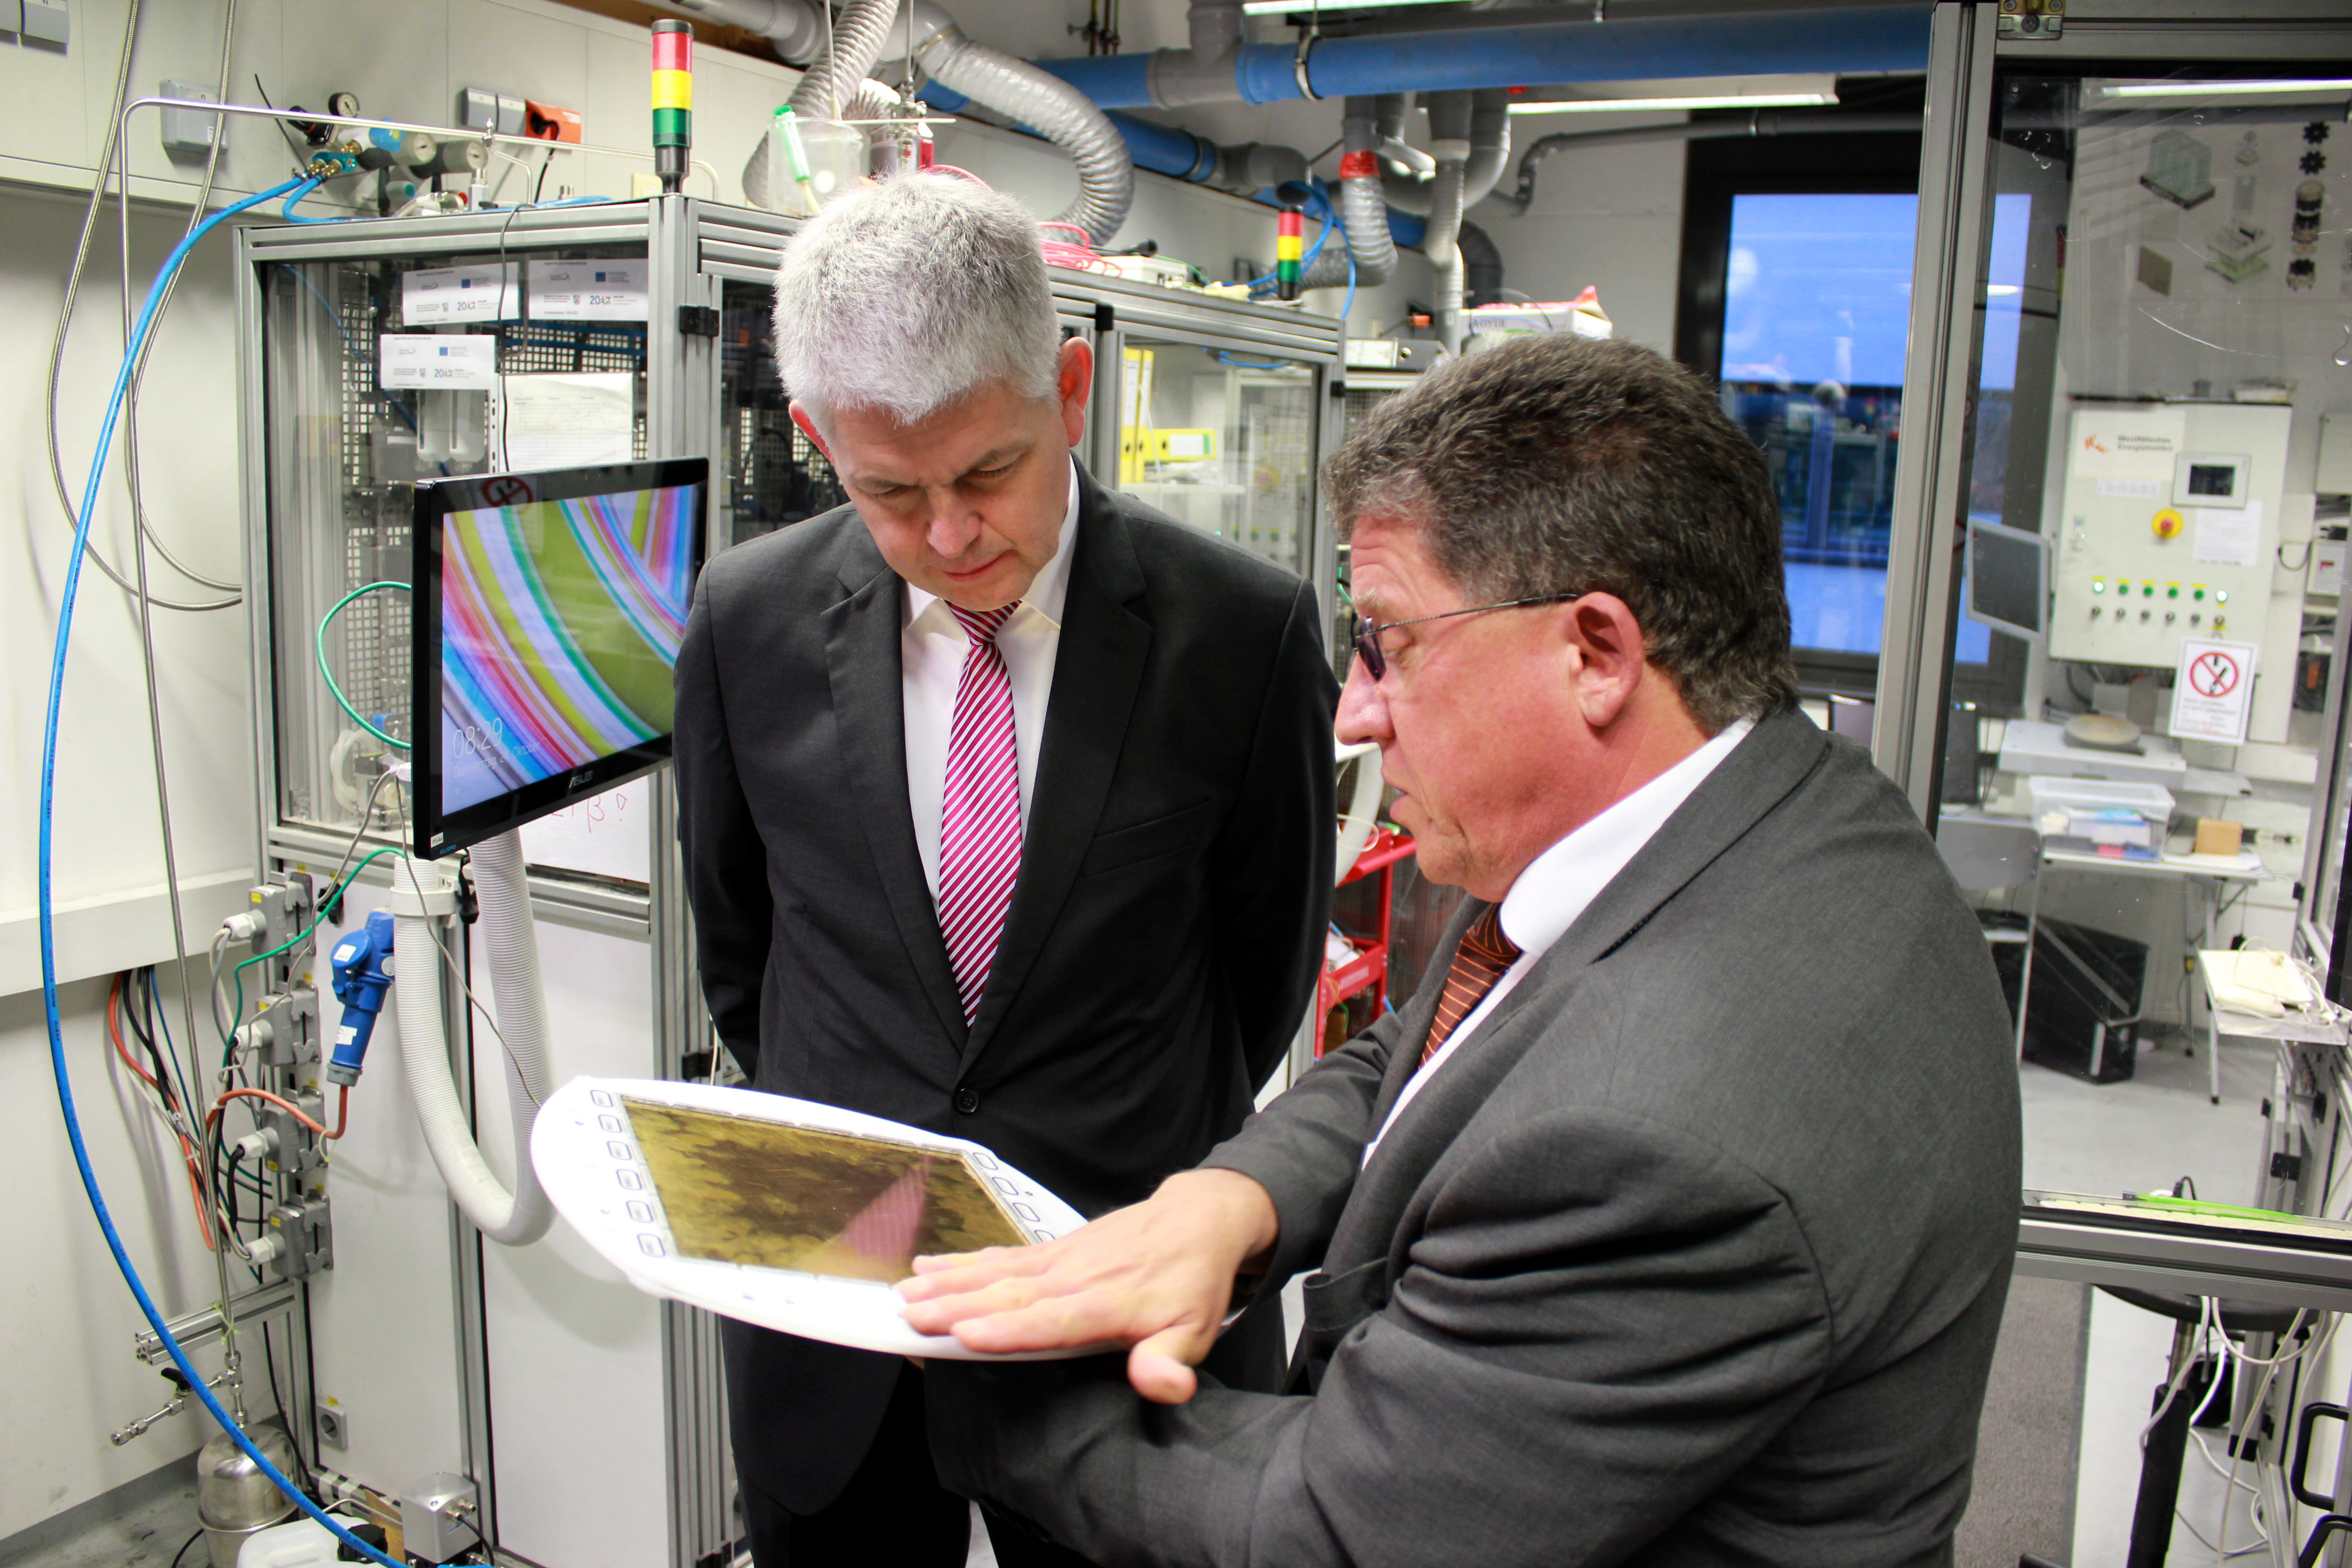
(1048, 592)
(1560, 884)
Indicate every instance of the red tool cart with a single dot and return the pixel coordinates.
(1368, 969)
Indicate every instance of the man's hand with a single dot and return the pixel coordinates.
(1156, 1277)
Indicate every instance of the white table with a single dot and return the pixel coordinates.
(2207, 873)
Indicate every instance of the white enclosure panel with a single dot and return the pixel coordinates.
(576, 1372)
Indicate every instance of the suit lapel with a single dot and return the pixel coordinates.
(861, 652)
(1747, 784)
(1097, 671)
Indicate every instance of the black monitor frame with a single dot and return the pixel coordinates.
(436, 832)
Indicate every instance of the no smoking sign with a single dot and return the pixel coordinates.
(2210, 689)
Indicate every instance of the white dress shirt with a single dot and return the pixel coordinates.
(1560, 884)
(931, 647)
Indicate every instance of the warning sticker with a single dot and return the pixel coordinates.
(2211, 690)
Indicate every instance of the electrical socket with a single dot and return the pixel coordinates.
(333, 1430)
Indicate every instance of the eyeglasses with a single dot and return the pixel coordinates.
(1367, 631)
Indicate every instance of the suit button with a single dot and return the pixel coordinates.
(967, 1100)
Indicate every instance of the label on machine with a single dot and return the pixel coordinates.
(458, 294)
(588, 290)
(2211, 690)
(443, 360)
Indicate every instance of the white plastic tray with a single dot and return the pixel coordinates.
(586, 1154)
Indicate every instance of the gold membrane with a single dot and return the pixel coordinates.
(741, 1190)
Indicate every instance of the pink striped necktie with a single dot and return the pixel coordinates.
(980, 817)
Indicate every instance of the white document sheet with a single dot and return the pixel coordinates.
(567, 420)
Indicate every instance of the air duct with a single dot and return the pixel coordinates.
(868, 29)
(1890, 35)
(1757, 123)
(1363, 210)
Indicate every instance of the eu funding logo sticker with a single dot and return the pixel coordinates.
(587, 291)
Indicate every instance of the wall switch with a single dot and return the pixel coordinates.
(47, 21)
(189, 130)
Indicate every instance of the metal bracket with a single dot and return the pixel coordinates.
(287, 1028)
(306, 1238)
(698, 320)
(298, 1146)
(2036, 21)
(1298, 68)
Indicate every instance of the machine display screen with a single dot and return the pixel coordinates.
(2213, 479)
(770, 1194)
(2008, 584)
(551, 608)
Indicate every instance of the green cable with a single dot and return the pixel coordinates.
(333, 893)
(328, 676)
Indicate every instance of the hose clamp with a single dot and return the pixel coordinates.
(422, 889)
(1298, 68)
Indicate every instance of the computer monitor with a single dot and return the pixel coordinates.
(549, 610)
(2008, 580)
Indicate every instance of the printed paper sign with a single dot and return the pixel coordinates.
(458, 294)
(588, 290)
(2135, 444)
(568, 420)
(2211, 690)
(2229, 536)
(2133, 489)
(444, 360)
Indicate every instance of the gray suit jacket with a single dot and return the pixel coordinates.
(1694, 1254)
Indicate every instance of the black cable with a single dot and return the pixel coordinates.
(539, 185)
(177, 1557)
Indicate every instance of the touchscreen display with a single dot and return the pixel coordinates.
(560, 621)
(741, 1190)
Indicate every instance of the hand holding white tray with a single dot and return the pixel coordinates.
(784, 1213)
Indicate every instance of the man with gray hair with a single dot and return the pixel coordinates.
(1675, 1227)
(1007, 806)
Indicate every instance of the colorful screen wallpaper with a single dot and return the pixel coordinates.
(561, 621)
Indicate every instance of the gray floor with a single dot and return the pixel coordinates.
(141, 1525)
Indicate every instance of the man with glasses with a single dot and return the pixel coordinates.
(1674, 1225)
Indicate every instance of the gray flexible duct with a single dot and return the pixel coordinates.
(1363, 211)
(830, 88)
(1056, 110)
(514, 1218)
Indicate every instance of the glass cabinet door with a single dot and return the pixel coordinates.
(1222, 439)
(2147, 535)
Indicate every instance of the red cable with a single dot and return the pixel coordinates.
(187, 1150)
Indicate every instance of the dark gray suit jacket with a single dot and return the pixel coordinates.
(1164, 933)
(1694, 1254)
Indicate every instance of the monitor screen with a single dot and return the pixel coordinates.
(2008, 582)
(550, 606)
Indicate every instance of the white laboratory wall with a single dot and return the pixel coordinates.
(1607, 216)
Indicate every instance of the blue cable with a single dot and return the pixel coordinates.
(1330, 222)
(46, 893)
(303, 189)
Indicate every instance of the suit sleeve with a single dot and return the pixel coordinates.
(725, 859)
(1601, 1320)
(1271, 871)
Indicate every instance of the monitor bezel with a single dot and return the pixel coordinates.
(435, 834)
(2041, 546)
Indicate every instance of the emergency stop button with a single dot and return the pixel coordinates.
(2167, 524)
(967, 1099)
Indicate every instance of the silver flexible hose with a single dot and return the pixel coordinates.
(1363, 210)
(1052, 107)
(830, 88)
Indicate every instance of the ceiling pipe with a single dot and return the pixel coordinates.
(1371, 255)
(1486, 131)
(1886, 35)
(1758, 122)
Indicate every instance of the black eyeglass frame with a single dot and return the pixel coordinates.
(1367, 631)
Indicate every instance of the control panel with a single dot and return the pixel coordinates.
(2169, 527)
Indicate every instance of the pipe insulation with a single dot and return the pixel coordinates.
(1445, 229)
(1363, 209)
(513, 1218)
(1884, 35)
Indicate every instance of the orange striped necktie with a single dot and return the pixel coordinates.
(1478, 962)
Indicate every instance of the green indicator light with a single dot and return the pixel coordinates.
(2148, 590)
(2197, 592)
(2172, 591)
(2098, 585)
(2220, 595)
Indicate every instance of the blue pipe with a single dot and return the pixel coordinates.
(1162, 149)
(1886, 35)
